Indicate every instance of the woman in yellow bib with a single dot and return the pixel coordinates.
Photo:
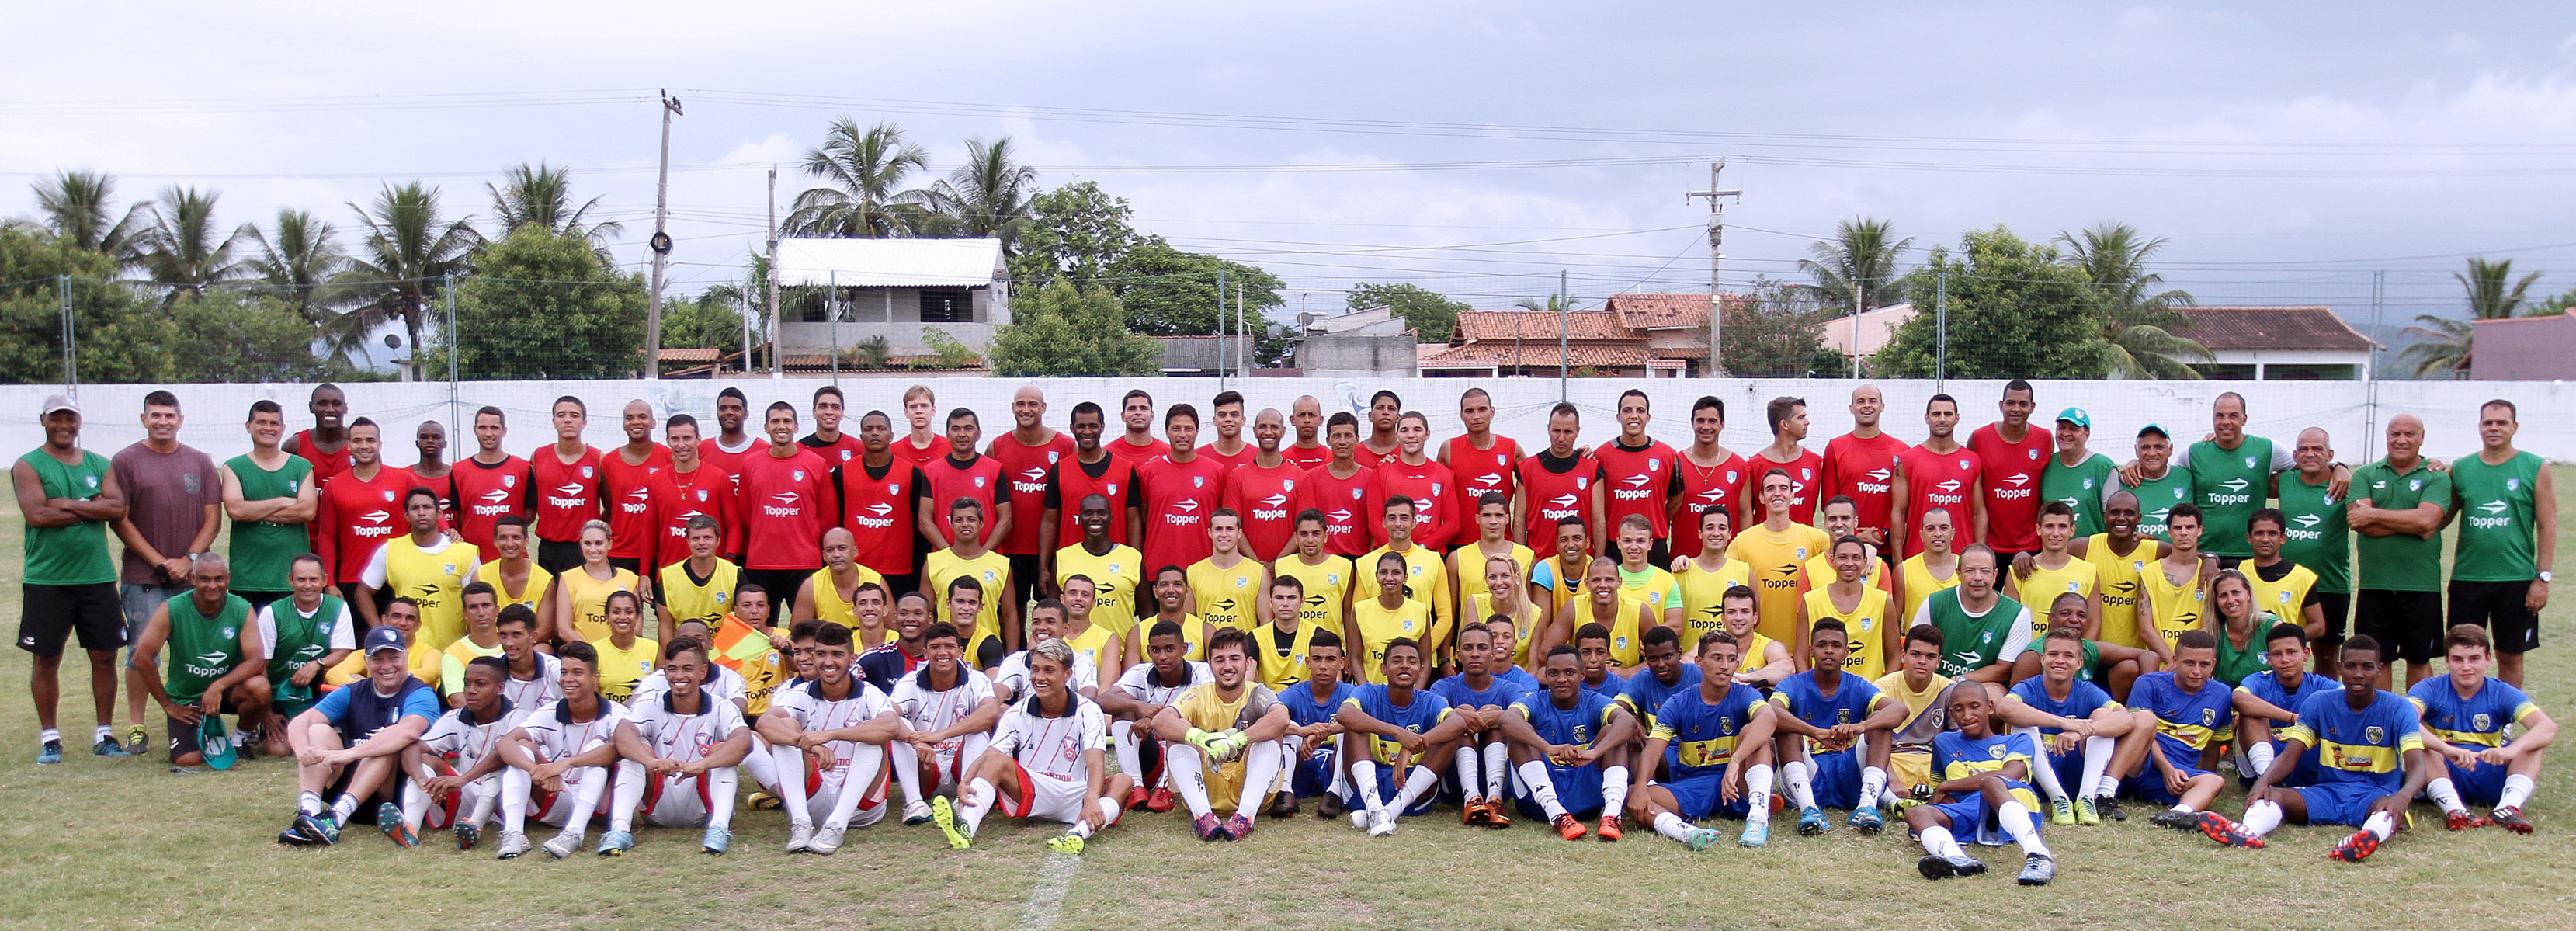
(1505, 594)
(581, 595)
(1378, 621)
(625, 655)
(518, 580)
(1861, 608)
(1705, 578)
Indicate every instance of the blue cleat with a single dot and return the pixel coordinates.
(1968, 866)
(1811, 821)
(1867, 820)
(616, 843)
(108, 747)
(1702, 838)
(717, 841)
(1756, 834)
(50, 753)
(2039, 869)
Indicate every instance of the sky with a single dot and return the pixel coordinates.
(2285, 153)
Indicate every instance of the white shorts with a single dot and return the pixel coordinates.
(674, 801)
(1051, 798)
(557, 808)
(823, 793)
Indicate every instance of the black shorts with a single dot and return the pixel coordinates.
(389, 790)
(780, 584)
(2408, 625)
(897, 584)
(349, 593)
(1659, 555)
(628, 563)
(1024, 579)
(558, 556)
(2500, 608)
(51, 614)
(2338, 610)
(186, 739)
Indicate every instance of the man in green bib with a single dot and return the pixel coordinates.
(2398, 507)
(270, 494)
(215, 668)
(2156, 480)
(2508, 512)
(301, 637)
(67, 496)
(1982, 631)
(2318, 536)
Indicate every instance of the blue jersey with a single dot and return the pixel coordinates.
(1422, 715)
(373, 712)
(1520, 677)
(2367, 746)
(2186, 722)
(2082, 699)
(1574, 727)
(2266, 686)
(1701, 735)
(1499, 692)
(1611, 684)
(1853, 699)
(1304, 708)
(1954, 756)
(1645, 693)
(2476, 721)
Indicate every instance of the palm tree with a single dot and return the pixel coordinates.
(1857, 269)
(865, 170)
(180, 248)
(297, 261)
(2139, 315)
(990, 194)
(542, 194)
(407, 251)
(2493, 294)
(76, 206)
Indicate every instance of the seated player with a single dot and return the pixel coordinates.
(1983, 787)
(560, 758)
(454, 766)
(1314, 739)
(1667, 672)
(947, 712)
(2076, 723)
(2370, 763)
(1825, 719)
(1402, 724)
(1099, 636)
(1221, 741)
(1045, 761)
(828, 738)
(1709, 731)
(2113, 667)
(1766, 661)
(1592, 643)
(1919, 685)
(1507, 638)
(1011, 678)
(215, 667)
(2271, 700)
(1136, 698)
(347, 746)
(2465, 716)
(681, 757)
(2191, 713)
(1572, 747)
(1480, 699)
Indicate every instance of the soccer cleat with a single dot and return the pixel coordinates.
(2111, 809)
(2176, 819)
(1209, 826)
(763, 801)
(1568, 827)
(2061, 811)
(2462, 821)
(2355, 849)
(136, 740)
(916, 813)
(2086, 812)
(1935, 867)
(1703, 838)
(800, 838)
(1238, 827)
(1067, 842)
(2224, 831)
(389, 819)
(1495, 817)
(1329, 806)
(716, 841)
(50, 753)
(616, 843)
(1609, 829)
(1968, 866)
(318, 830)
(1136, 798)
(944, 815)
(513, 843)
(826, 842)
(108, 747)
(1360, 818)
(1283, 805)
(562, 845)
(1160, 801)
(1383, 825)
(294, 837)
(1756, 834)
(1811, 821)
(1867, 820)
(2037, 870)
(1472, 813)
(2511, 819)
(466, 835)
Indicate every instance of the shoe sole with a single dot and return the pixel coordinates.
(946, 818)
(2033, 880)
(1935, 868)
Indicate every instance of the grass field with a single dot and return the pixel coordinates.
(129, 843)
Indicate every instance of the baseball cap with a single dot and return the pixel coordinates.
(2076, 416)
(385, 638)
(2152, 428)
(58, 402)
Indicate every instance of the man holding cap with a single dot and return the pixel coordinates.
(2158, 483)
(346, 746)
(2077, 475)
(68, 496)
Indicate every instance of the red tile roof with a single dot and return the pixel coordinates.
(2271, 328)
(1506, 325)
(1534, 354)
(1664, 311)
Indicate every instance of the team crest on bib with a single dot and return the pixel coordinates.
(1730, 476)
(1806, 474)
(1288, 485)
(2088, 484)
(2178, 494)
(1051, 456)
(1502, 460)
(2373, 734)
(2249, 462)
(1240, 581)
(720, 597)
(1620, 643)
(2034, 455)
(1963, 463)
(702, 494)
(585, 471)
(507, 481)
(2512, 484)
(1654, 462)
(2480, 722)
(1802, 552)
(1112, 486)
(1113, 567)
(893, 487)
(1582, 481)
(1355, 494)
(979, 481)
(230, 632)
(1435, 489)
(2414, 484)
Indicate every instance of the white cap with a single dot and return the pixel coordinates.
(58, 402)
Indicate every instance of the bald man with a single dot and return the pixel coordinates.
(2397, 508)
(1260, 490)
(1307, 416)
(626, 483)
(1027, 454)
(2319, 537)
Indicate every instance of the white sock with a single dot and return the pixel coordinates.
(1341, 785)
(2109, 787)
(1122, 739)
(2017, 822)
(1794, 781)
(415, 805)
(1263, 761)
(907, 769)
(587, 784)
(1938, 842)
(721, 786)
(1416, 782)
(2259, 757)
(1614, 789)
(342, 809)
(2097, 759)
(1757, 792)
(2043, 768)
(1469, 760)
(974, 802)
(2261, 817)
(1542, 789)
(1364, 779)
(1110, 811)
(1498, 764)
(515, 788)
(2447, 795)
(1672, 826)
(2517, 790)
(481, 795)
(1188, 767)
(1873, 784)
(630, 793)
(2380, 825)
(856, 784)
(49, 735)
(791, 789)
(761, 765)
(310, 803)
(105, 730)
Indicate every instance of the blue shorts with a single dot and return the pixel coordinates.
(1387, 785)
(1697, 796)
(1837, 779)
(2340, 802)
(2482, 784)
(1578, 789)
(1313, 772)
(1971, 820)
(2305, 775)
(2148, 783)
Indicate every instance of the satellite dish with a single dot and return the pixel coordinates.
(392, 341)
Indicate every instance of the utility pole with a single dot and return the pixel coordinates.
(769, 280)
(1220, 326)
(661, 243)
(1716, 237)
(1564, 331)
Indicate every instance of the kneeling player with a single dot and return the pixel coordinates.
(348, 745)
(2465, 714)
(2370, 762)
(455, 766)
(681, 757)
(560, 758)
(1401, 724)
(1045, 761)
(948, 711)
(1221, 741)
(1827, 755)
(1479, 697)
(829, 738)
(2076, 723)
(1983, 788)
(1571, 746)
(1705, 728)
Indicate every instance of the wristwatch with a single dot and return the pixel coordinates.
(2544, 576)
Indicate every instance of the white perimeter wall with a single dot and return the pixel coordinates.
(2119, 408)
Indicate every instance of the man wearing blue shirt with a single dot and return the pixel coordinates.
(1719, 736)
(346, 746)
(1478, 697)
(1571, 747)
(2465, 715)
(2075, 723)
(1827, 757)
(2272, 699)
(2370, 763)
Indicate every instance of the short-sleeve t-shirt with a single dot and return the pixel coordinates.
(2476, 721)
(1573, 727)
(1702, 735)
(1422, 712)
(2082, 700)
(2186, 722)
(2367, 747)
(166, 496)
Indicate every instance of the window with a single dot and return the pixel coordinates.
(947, 305)
(2311, 372)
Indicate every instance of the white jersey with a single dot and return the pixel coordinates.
(556, 736)
(460, 735)
(806, 706)
(684, 737)
(723, 684)
(1052, 746)
(341, 633)
(928, 709)
(1013, 674)
(1141, 683)
(545, 689)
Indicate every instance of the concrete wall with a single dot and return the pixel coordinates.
(1342, 352)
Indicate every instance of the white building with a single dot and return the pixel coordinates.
(2277, 344)
(892, 288)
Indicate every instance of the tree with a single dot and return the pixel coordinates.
(1075, 232)
(542, 194)
(712, 321)
(1858, 267)
(116, 337)
(2492, 293)
(183, 247)
(76, 206)
(543, 305)
(989, 195)
(409, 248)
(2015, 311)
(1776, 330)
(2138, 318)
(1431, 314)
(1168, 292)
(864, 196)
(297, 261)
(1065, 331)
(244, 338)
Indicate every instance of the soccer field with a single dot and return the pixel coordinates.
(130, 843)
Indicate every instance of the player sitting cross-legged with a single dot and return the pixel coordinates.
(1045, 761)
(1719, 735)
(1833, 743)
(1571, 747)
(1401, 725)
(829, 738)
(2370, 763)
(2075, 723)
(560, 759)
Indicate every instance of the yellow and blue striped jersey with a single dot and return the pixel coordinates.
(1702, 735)
(2476, 721)
(2366, 746)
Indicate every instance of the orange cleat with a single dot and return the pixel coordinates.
(1609, 830)
(1569, 828)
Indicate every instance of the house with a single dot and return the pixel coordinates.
(2523, 348)
(839, 293)
(1869, 329)
(1371, 341)
(1675, 325)
(1497, 343)
(2277, 344)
